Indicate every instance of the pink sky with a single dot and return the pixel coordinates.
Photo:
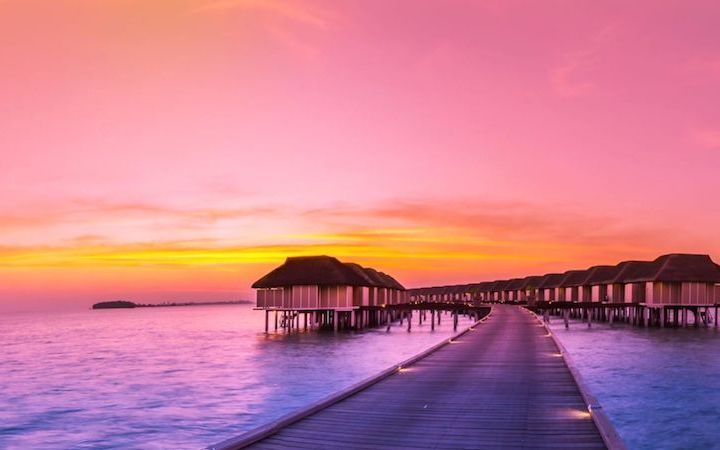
(177, 149)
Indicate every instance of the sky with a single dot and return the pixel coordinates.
(176, 150)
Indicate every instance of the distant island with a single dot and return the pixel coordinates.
(116, 304)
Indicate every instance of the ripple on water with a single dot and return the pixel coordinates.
(176, 378)
(660, 387)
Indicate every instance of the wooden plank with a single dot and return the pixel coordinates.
(502, 384)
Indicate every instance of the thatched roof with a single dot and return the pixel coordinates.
(324, 271)
(514, 284)
(391, 282)
(551, 280)
(573, 278)
(361, 272)
(603, 274)
(311, 270)
(532, 282)
(674, 267)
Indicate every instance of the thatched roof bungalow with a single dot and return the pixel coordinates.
(323, 282)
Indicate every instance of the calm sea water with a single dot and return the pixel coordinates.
(156, 378)
(660, 387)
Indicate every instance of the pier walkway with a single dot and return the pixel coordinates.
(501, 385)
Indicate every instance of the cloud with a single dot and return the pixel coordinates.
(571, 77)
(290, 10)
(286, 22)
(409, 235)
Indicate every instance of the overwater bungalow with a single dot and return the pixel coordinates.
(675, 279)
(529, 288)
(326, 288)
(568, 289)
(601, 280)
(512, 289)
(548, 286)
(498, 290)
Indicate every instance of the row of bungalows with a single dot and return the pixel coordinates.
(324, 283)
(673, 279)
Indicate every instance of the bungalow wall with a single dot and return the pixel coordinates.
(547, 295)
(361, 296)
(331, 297)
(585, 294)
(698, 293)
(381, 298)
(571, 294)
(635, 292)
(303, 297)
(274, 297)
(372, 296)
(616, 293)
(560, 294)
(598, 293)
(663, 293)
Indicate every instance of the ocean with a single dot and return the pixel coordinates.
(174, 378)
(660, 387)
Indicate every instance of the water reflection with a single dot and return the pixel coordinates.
(660, 387)
(174, 377)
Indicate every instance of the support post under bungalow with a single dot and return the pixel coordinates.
(267, 320)
(409, 320)
(335, 320)
(276, 320)
(305, 320)
(387, 317)
(432, 320)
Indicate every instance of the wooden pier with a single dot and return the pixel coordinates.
(503, 384)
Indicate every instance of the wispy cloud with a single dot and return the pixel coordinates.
(284, 21)
(571, 77)
(410, 235)
(291, 10)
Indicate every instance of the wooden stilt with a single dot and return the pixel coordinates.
(432, 320)
(267, 320)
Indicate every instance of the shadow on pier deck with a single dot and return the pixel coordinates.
(502, 385)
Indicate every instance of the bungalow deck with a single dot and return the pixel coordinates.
(504, 384)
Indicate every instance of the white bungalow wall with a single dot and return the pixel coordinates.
(303, 297)
(336, 297)
(635, 293)
(598, 293)
(688, 293)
